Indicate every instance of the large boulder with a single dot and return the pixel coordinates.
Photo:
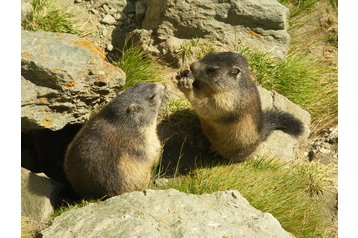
(63, 78)
(258, 24)
(167, 213)
(38, 195)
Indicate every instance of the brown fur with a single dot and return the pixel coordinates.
(225, 97)
(116, 150)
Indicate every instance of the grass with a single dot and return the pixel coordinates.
(332, 38)
(58, 211)
(137, 65)
(49, 16)
(194, 49)
(288, 191)
(301, 6)
(28, 227)
(302, 80)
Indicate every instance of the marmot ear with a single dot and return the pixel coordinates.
(235, 71)
(133, 107)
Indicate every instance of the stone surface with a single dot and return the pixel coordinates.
(109, 19)
(37, 195)
(63, 79)
(26, 8)
(258, 24)
(279, 144)
(167, 213)
(324, 148)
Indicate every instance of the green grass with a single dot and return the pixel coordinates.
(288, 191)
(137, 65)
(298, 6)
(332, 38)
(301, 6)
(58, 211)
(47, 15)
(194, 49)
(302, 80)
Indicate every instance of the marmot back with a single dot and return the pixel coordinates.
(115, 151)
(221, 91)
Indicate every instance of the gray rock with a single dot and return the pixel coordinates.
(139, 10)
(167, 213)
(258, 24)
(109, 47)
(64, 78)
(279, 144)
(37, 194)
(26, 8)
(109, 19)
(118, 5)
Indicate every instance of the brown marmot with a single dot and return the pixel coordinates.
(115, 151)
(225, 98)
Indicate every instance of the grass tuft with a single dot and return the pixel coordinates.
(137, 65)
(49, 16)
(301, 79)
(299, 6)
(288, 191)
(68, 207)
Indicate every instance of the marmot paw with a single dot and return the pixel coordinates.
(184, 82)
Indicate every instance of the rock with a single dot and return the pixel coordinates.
(118, 5)
(280, 144)
(333, 136)
(167, 213)
(60, 82)
(139, 10)
(26, 8)
(37, 195)
(94, 11)
(109, 47)
(109, 19)
(257, 24)
(324, 147)
(117, 16)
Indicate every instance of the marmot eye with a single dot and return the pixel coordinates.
(211, 70)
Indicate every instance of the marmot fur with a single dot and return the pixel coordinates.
(225, 98)
(115, 151)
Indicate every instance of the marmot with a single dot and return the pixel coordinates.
(225, 98)
(116, 150)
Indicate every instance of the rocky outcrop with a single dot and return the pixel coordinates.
(279, 144)
(38, 193)
(167, 213)
(258, 24)
(63, 78)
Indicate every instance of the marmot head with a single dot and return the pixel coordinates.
(221, 71)
(137, 106)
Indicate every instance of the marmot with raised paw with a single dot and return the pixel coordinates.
(221, 91)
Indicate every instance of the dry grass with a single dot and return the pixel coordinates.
(291, 192)
(47, 15)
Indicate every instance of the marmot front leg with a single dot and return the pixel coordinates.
(184, 81)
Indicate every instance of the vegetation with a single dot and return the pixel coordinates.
(138, 66)
(194, 49)
(288, 191)
(58, 211)
(299, 78)
(49, 16)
